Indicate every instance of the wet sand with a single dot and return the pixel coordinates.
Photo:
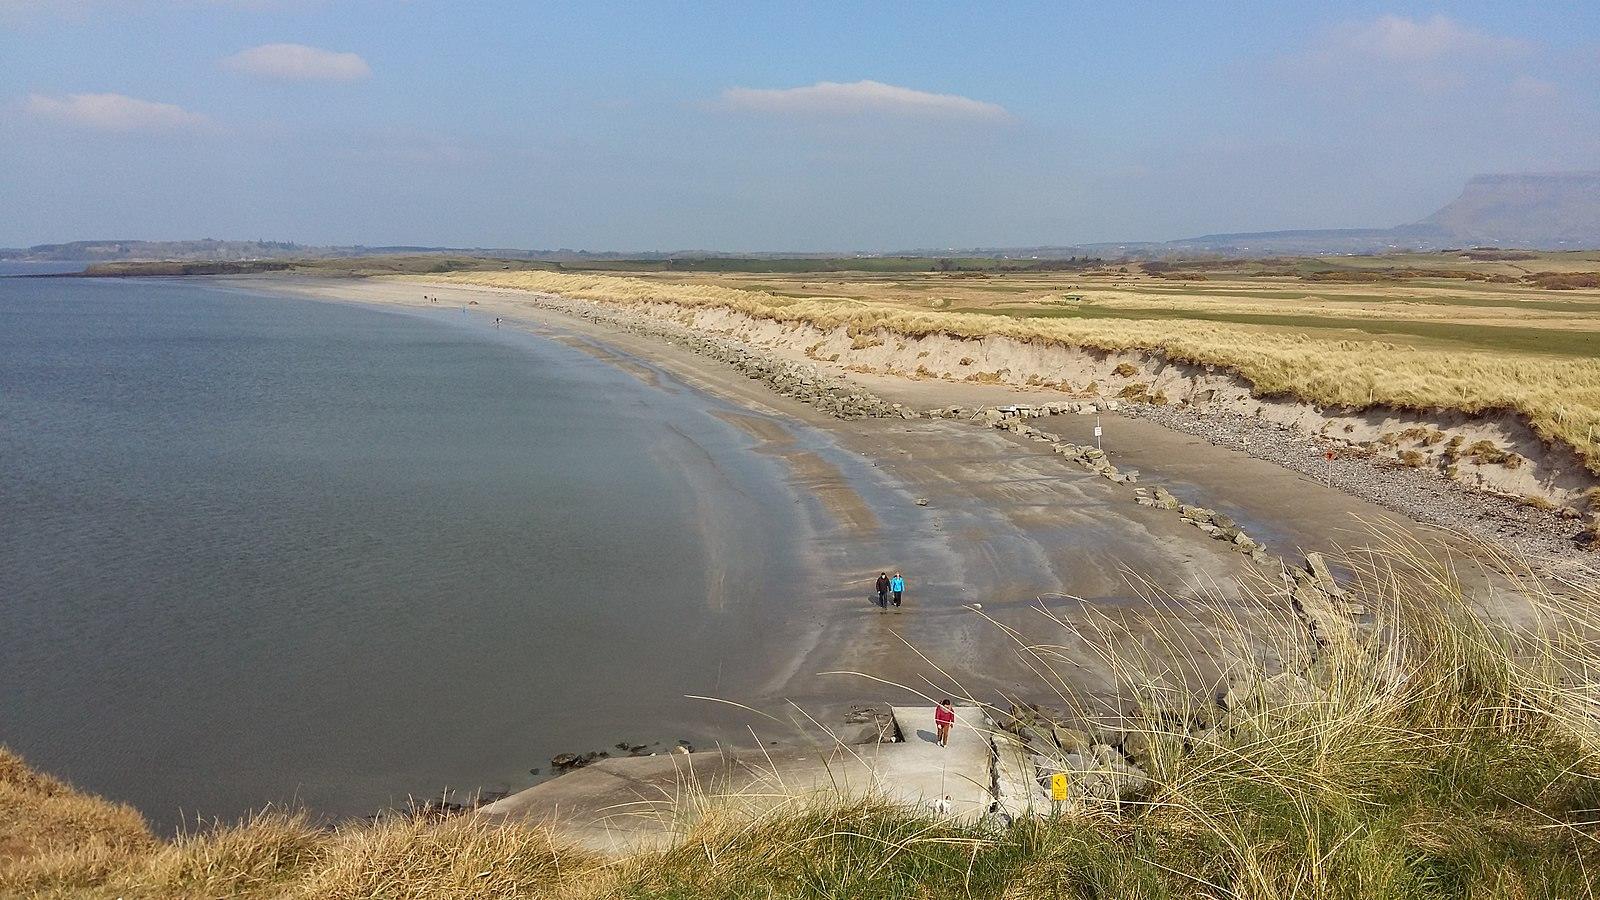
(1007, 526)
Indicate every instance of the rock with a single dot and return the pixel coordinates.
(1287, 689)
(1072, 452)
(1146, 748)
(1077, 762)
(1071, 740)
(566, 762)
(922, 501)
(1233, 697)
(864, 733)
(1318, 567)
(1137, 744)
(859, 714)
(1111, 778)
(1224, 521)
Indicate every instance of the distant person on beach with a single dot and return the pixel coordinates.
(883, 590)
(943, 717)
(497, 321)
(897, 584)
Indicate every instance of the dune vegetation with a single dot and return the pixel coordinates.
(1420, 347)
(1430, 750)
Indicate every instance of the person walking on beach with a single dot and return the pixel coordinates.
(897, 584)
(497, 321)
(883, 590)
(943, 717)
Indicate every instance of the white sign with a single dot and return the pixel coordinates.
(1097, 431)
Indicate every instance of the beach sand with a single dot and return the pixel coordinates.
(1007, 525)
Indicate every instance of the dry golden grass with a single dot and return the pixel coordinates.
(461, 857)
(63, 839)
(1558, 395)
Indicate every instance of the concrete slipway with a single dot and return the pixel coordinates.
(624, 804)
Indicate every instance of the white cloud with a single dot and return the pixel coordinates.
(1402, 40)
(860, 98)
(297, 62)
(113, 112)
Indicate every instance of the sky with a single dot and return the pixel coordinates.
(767, 126)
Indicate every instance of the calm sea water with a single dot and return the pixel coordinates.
(263, 549)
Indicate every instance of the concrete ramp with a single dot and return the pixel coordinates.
(636, 803)
(919, 772)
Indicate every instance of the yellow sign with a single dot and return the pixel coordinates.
(1058, 786)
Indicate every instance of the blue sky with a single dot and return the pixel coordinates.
(769, 126)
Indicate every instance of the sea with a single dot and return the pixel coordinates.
(261, 549)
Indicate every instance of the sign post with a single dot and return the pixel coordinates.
(1097, 432)
(1058, 786)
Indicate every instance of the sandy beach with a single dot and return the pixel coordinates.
(1008, 526)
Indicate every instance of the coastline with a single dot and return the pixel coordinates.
(1165, 438)
(1014, 546)
(990, 517)
(1010, 525)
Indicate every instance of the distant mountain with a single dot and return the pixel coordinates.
(1556, 211)
(108, 251)
(1528, 211)
(210, 250)
(1536, 212)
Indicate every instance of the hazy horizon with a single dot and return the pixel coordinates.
(833, 128)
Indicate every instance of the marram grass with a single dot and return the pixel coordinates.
(1559, 396)
(1440, 753)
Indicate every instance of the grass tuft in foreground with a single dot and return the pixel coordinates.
(1438, 747)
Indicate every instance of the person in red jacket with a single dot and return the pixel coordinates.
(943, 717)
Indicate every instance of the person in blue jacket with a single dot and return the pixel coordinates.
(897, 587)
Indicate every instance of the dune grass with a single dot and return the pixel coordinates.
(1559, 396)
(1448, 748)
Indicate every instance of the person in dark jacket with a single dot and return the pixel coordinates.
(883, 590)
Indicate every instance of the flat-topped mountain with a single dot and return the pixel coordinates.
(1545, 211)
(1559, 211)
